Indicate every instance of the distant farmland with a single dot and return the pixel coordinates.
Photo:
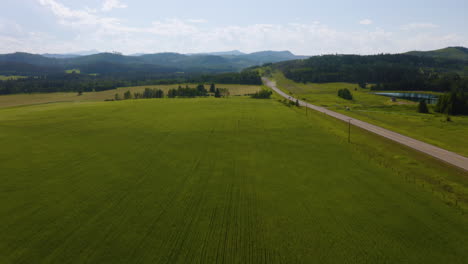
(217, 181)
(43, 98)
(11, 77)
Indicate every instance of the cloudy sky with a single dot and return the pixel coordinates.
(305, 27)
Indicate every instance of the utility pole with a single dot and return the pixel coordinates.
(349, 131)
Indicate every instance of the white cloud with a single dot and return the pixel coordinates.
(419, 26)
(94, 30)
(108, 5)
(197, 21)
(366, 22)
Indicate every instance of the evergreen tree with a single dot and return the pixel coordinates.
(201, 90)
(212, 88)
(172, 93)
(422, 107)
(127, 95)
(217, 93)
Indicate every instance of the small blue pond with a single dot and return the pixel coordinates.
(417, 97)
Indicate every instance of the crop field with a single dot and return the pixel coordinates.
(11, 77)
(234, 89)
(400, 116)
(44, 98)
(208, 180)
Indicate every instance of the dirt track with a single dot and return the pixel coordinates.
(439, 153)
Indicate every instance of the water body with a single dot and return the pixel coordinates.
(416, 97)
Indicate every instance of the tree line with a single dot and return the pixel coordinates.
(86, 83)
(180, 92)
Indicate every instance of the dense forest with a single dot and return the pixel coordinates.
(387, 72)
(74, 82)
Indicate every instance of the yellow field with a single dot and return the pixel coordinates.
(43, 98)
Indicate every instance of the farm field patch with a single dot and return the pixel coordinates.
(210, 180)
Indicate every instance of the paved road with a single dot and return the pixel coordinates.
(439, 153)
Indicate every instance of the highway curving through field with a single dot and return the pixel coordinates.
(436, 152)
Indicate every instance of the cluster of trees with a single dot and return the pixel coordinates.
(453, 103)
(263, 94)
(221, 92)
(75, 82)
(188, 92)
(173, 93)
(147, 94)
(345, 94)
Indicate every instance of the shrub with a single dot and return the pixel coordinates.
(422, 107)
(127, 95)
(345, 94)
(263, 94)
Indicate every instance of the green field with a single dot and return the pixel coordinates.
(10, 77)
(211, 180)
(77, 71)
(44, 98)
(400, 116)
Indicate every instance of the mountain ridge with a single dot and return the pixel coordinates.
(183, 62)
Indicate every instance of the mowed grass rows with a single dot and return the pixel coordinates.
(205, 181)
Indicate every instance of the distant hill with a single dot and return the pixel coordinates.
(388, 71)
(71, 55)
(222, 53)
(271, 56)
(34, 59)
(455, 53)
(230, 61)
(60, 56)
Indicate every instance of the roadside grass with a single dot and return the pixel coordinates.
(400, 116)
(44, 98)
(206, 180)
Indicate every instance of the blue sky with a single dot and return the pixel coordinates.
(303, 27)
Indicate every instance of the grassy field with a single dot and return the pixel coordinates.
(43, 98)
(217, 181)
(77, 71)
(400, 116)
(12, 77)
